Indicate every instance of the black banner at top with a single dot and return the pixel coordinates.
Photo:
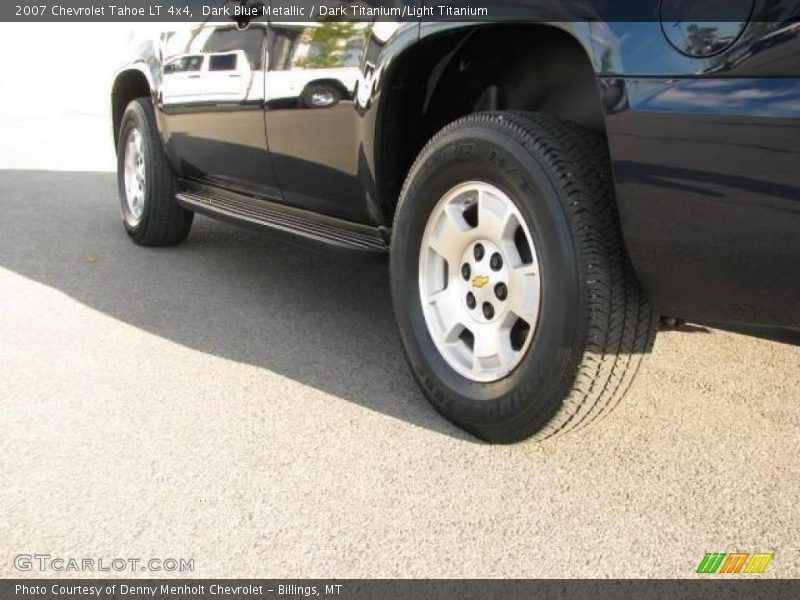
(399, 10)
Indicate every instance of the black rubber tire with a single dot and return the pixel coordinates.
(308, 93)
(164, 222)
(595, 324)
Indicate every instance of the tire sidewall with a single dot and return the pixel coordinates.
(534, 389)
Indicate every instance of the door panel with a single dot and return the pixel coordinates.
(313, 70)
(317, 72)
(212, 105)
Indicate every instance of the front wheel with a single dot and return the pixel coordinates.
(518, 310)
(147, 184)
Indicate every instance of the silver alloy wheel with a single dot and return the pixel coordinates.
(134, 177)
(479, 281)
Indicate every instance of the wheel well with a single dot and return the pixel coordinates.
(128, 85)
(334, 83)
(530, 67)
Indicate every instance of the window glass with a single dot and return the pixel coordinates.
(185, 63)
(222, 62)
(250, 41)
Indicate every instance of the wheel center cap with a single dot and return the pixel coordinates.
(484, 273)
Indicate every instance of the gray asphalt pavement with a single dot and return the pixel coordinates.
(242, 400)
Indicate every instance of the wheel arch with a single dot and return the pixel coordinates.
(532, 67)
(329, 81)
(129, 83)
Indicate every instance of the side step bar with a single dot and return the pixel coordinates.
(243, 209)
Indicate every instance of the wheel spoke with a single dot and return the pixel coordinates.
(496, 218)
(523, 288)
(450, 314)
(130, 156)
(490, 350)
(486, 341)
(450, 235)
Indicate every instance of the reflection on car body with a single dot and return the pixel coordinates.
(211, 77)
(316, 64)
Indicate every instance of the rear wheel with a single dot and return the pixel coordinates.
(320, 96)
(517, 307)
(147, 184)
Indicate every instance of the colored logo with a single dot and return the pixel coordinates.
(737, 562)
(479, 281)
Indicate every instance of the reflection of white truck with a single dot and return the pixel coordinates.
(217, 63)
(210, 77)
(227, 77)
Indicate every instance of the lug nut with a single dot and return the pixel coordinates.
(501, 291)
(496, 262)
(470, 300)
(488, 310)
(478, 251)
(465, 271)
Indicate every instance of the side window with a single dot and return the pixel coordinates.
(222, 62)
(194, 63)
(250, 41)
(183, 64)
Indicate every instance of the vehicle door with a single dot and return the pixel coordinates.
(211, 105)
(314, 126)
